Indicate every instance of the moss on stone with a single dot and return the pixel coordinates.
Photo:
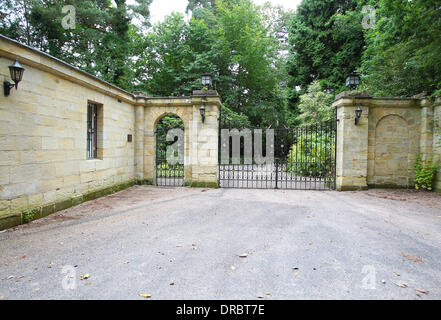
(146, 182)
(41, 212)
(30, 215)
(199, 184)
(9, 222)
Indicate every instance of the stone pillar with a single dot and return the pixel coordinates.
(352, 142)
(437, 141)
(139, 142)
(203, 138)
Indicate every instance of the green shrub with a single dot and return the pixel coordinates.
(425, 172)
(312, 156)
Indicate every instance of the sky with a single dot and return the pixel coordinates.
(161, 8)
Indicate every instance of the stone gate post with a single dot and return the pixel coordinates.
(203, 139)
(352, 142)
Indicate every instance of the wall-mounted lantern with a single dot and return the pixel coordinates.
(206, 80)
(16, 71)
(202, 110)
(358, 113)
(353, 81)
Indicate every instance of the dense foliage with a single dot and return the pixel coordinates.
(326, 42)
(101, 43)
(315, 105)
(312, 156)
(403, 51)
(425, 172)
(270, 66)
(231, 42)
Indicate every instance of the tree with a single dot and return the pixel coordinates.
(195, 4)
(232, 43)
(326, 42)
(403, 50)
(315, 105)
(101, 42)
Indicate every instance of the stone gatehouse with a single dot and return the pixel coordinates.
(45, 165)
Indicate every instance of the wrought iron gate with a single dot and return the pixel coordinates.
(168, 172)
(304, 159)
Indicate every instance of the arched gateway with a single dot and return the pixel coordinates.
(169, 153)
(199, 147)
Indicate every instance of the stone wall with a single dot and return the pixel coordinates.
(381, 150)
(43, 137)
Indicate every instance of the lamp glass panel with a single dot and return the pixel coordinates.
(16, 74)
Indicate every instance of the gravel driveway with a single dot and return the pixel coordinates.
(187, 243)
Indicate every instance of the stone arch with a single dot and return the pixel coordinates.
(391, 157)
(169, 150)
(168, 113)
(200, 167)
(154, 113)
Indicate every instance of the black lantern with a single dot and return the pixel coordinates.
(16, 71)
(202, 110)
(358, 113)
(206, 80)
(352, 81)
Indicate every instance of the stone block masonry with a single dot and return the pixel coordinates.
(44, 166)
(381, 150)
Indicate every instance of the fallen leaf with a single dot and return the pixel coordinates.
(422, 291)
(397, 274)
(126, 262)
(51, 264)
(268, 293)
(233, 267)
(145, 295)
(86, 276)
(412, 258)
(172, 283)
(62, 243)
(242, 255)
(179, 245)
(401, 285)
(10, 277)
(260, 296)
(383, 281)
(296, 274)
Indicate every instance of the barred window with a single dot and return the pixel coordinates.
(92, 130)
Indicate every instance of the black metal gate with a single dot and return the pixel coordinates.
(169, 161)
(304, 159)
